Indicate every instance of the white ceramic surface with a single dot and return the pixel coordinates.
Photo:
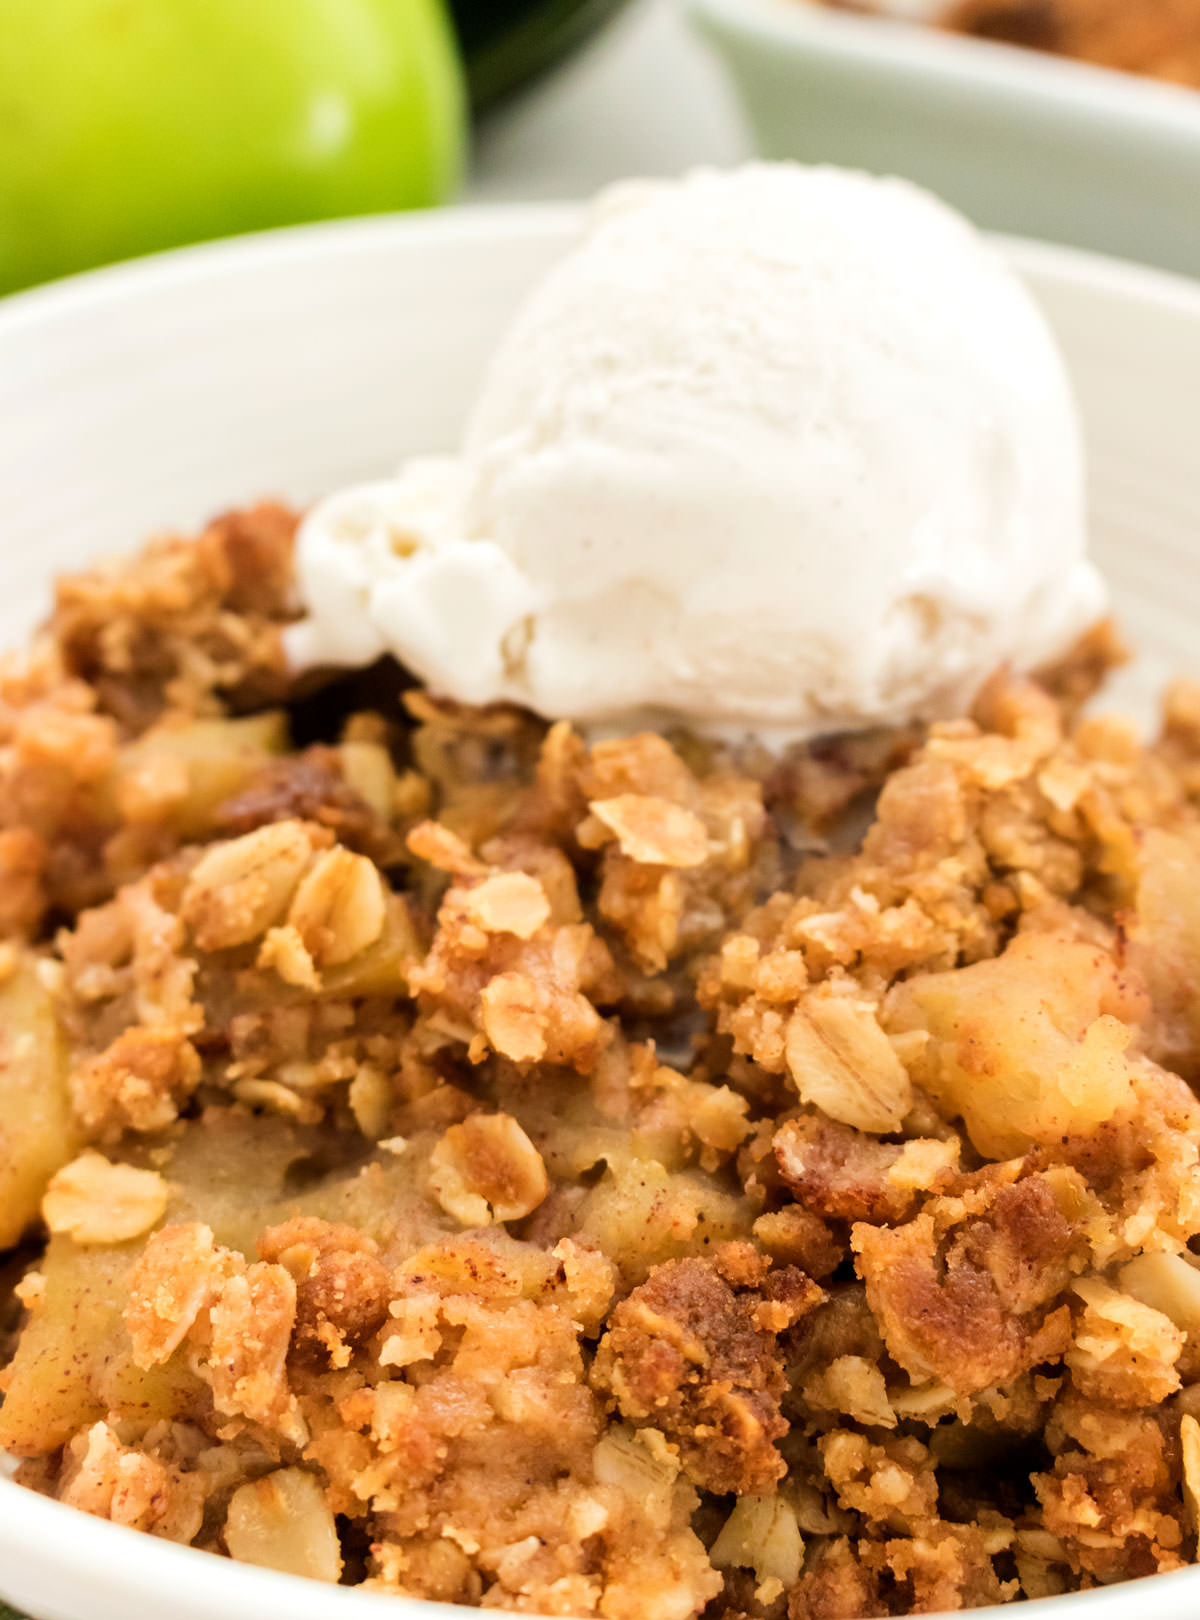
(153, 395)
(1019, 140)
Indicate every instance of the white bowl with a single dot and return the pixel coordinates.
(156, 394)
(1020, 141)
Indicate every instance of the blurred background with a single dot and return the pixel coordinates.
(646, 96)
(127, 126)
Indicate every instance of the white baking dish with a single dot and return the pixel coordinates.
(1020, 141)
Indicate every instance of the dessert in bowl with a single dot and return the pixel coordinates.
(498, 1151)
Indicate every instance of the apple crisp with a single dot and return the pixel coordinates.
(636, 1178)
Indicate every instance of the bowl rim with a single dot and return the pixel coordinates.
(130, 1566)
(473, 224)
(1066, 91)
(277, 248)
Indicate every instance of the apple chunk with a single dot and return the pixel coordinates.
(37, 1135)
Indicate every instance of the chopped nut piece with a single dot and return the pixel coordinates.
(339, 907)
(924, 1164)
(509, 903)
(96, 1201)
(487, 1169)
(653, 831)
(628, 1461)
(513, 1019)
(239, 889)
(284, 1522)
(431, 841)
(1124, 1352)
(1167, 1283)
(285, 951)
(842, 1061)
(370, 1097)
(855, 1386)
(369, 772)
(761, 1534)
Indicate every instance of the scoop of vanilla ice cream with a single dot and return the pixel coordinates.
(780, 450)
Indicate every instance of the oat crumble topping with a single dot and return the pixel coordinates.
(627, 1180)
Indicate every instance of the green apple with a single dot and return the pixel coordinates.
(132, 125)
